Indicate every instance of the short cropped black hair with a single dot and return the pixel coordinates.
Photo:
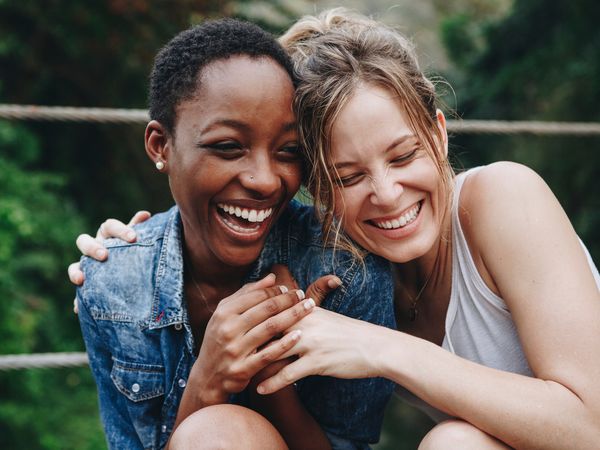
(178, 64)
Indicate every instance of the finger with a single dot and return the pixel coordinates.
(241, 302)
(272, 326)
(319, 289)
(273, 351)
(139, 217)
(250, 295)
(284, 276)
(75, 274)
(286, 376)
(91, 247)
(75, 307)
(267, 281)
(113, 228)
(272, 306)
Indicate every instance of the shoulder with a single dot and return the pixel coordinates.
(124, 283)
(302, 224)
(500, 196)
(500, 181)
(148, 232)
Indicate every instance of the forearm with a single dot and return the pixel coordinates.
(287, 413)
(523, 412)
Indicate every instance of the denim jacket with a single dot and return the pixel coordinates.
(136, 329)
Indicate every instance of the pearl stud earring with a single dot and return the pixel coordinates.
(160, 165)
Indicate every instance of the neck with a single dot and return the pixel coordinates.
(424, 284)
(207, 270)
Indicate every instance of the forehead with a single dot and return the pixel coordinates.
(240, 87)
(245, 77)
(371, 119)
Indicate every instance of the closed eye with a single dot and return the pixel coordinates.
(350, 180)
(224, 146)
(406, 157)
(225, 149)
(291, 151)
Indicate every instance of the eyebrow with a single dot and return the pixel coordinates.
(395, 143)
(290, 126)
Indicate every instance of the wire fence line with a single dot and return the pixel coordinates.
(140, 116)
(43, 360)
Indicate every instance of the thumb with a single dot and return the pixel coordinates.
(284, 276)
(319, 289)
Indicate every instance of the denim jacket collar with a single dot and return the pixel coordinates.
(168, 306)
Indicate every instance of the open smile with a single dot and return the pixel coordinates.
(404, 219)
(242, 220)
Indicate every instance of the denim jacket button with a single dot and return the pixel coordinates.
(163, 429)
(178, 326)
(135, 388)
(181, 383)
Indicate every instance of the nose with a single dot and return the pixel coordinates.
(261, 175)
(386, 190)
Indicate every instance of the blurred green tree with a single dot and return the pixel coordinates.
(540, 62)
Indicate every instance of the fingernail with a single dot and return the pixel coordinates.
(130, 235)
(334, 282)
(260, 389)
(101, 253)
(300, 294)
(295, 335)
(309, 304)
(283, 289)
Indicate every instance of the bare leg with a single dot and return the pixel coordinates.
(222, 427)
(454, 434)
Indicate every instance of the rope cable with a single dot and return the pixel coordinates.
(43, 360)
(132, 116)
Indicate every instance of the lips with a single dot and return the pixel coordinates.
(402, 220)
(243, 220)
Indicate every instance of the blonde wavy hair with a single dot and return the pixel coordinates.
(333, 54)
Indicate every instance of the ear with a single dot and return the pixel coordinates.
(158, 143)
(441, 123)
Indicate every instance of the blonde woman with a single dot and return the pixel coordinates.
(497, 300)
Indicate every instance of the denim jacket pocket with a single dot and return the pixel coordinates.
(137, 381)
(143, 385)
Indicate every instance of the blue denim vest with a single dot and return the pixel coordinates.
(134, 322)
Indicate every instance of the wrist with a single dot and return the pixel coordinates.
(384, 359)
(207, 393)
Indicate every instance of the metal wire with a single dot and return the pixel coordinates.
(43, 360)
(110, 115)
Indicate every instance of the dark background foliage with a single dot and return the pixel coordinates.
(538, 60)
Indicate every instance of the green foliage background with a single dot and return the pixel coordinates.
(537, 59)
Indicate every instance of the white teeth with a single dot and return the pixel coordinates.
(401, 221)
(251, 215)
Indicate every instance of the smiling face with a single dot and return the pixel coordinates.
(390, 197)
(233, 161)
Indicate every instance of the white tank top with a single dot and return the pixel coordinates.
(478, 326)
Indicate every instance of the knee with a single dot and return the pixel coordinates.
(453, 434)
(221, 427)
